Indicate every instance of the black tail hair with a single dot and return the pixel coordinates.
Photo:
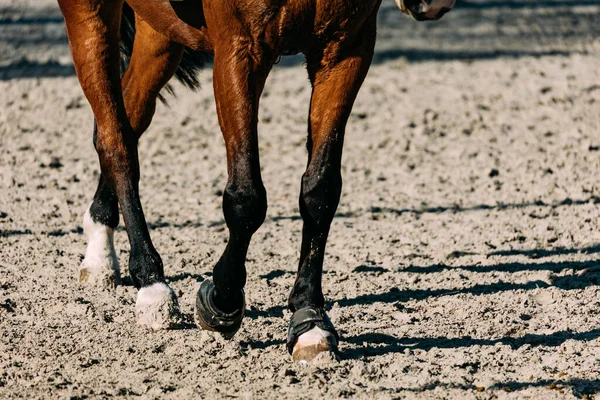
(191, 63)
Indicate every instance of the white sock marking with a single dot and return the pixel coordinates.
(100, 265)
(156, 306)
(315, 336)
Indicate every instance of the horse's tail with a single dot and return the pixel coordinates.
(191, 63)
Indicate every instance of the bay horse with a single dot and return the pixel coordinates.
(246, 37)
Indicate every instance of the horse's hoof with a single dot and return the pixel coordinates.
(157, 307)
(103, 276)
(210, 318)
(312, 337)
(316, 347)
(100, 267)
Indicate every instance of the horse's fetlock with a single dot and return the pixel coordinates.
(145, 267)
(245, 206)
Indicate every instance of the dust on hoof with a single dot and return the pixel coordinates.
(157, 307)
(316, 347)
(104, 277)
(100, 267)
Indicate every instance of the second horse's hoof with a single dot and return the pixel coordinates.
(209, 317)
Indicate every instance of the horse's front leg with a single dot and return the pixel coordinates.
(335, 86)
(238, 83)
(93, 31)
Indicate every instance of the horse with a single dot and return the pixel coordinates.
(245, 38)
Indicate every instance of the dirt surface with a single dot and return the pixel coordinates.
(462, 262)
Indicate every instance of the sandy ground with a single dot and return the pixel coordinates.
(462, 262)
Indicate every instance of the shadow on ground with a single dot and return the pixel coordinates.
(585, 274)
(579, 387)
(374, 344)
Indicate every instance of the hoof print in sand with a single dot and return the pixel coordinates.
(157, 307)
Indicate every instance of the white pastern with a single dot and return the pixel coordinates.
(315, 347)
(314, 337)
(157, 307)
(100, 266)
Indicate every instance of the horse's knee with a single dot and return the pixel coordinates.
(244, 206)
(142, 86)
(116, 146)
(140, 112)
(320, 196)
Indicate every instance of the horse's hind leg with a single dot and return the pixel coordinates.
(100, 265)
(335, 86)
(153, 62)
(92, 27)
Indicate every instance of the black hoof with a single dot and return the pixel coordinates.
(303, 321)
(209, 317)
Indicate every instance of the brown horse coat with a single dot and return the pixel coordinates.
(246, 38)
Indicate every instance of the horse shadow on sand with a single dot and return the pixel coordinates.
(580, 388)
(373, 344)
(585, 274)
(380, 344)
